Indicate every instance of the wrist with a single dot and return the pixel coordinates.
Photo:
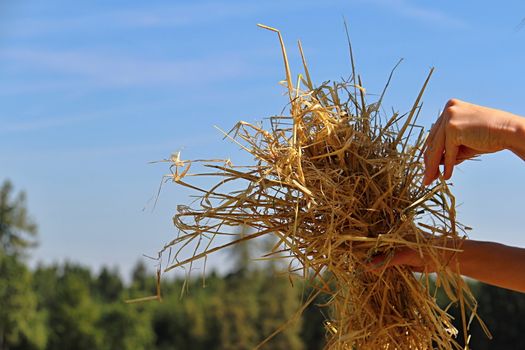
(474, 254)
(466, 258)
(461, 255)
(515, 136)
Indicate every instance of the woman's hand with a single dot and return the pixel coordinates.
(446, 248)
(465, 130)
(404, 257)
(488, 262)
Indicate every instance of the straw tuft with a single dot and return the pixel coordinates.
(337, 183)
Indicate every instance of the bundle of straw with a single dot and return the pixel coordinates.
(338, 183)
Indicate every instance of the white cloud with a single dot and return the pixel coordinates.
(199, 13)
(414, 10)
(38, 124)
(40, 121)
(110, 70)
(12, 87)
(96, 68)
(175, 15)
(185, 14)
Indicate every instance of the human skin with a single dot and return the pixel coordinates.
(465, 130)
(489, 262)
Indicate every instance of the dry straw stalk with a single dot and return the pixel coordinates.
(337, 183)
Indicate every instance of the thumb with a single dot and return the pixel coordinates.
(403, 256)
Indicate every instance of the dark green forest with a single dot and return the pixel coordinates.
(68, 306)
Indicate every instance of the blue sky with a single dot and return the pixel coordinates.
(93, 91)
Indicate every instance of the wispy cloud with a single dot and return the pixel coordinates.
(186, 14)
(42, 123)
(31, 85)
(414, 10)
(167, 15)
(198, 13)
(161, 149)
(173, 15)
(110, 70)
(95, 68)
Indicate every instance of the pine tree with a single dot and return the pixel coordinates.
(17, 230)
(21, 325)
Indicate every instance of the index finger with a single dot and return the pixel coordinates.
(434, 152)
(433, 130)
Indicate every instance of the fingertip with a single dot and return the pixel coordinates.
(428, 178)
(451, 153)
(449, 169)
(431, 169)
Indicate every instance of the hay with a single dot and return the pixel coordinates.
(337, 183)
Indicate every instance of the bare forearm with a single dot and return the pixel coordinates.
(493, 263)
(516, 136)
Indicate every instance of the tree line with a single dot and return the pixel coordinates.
(68, 306)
